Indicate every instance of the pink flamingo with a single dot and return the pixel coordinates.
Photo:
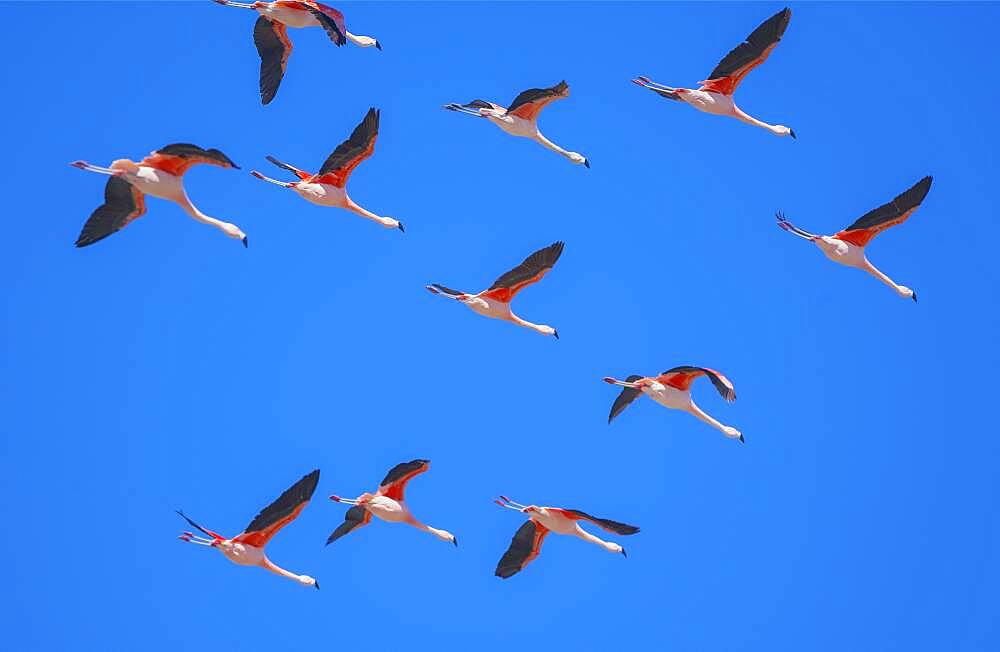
(328, 186)
(247, 549)
(521, 117)
(715, 95)
(161, 174)
(271, 36)
(672, 389)
(847, 247)
(527, 541)
(387, 503)
(495, 302)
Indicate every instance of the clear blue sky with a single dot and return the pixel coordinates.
(168, 367)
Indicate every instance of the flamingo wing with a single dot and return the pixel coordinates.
(394, 483)
(747, 55)
(605, 523)
(178, 158)
(331, 20)
(274, 48)
(524, 547)
(530, 103)
(682, 377)
(353, 519)
(123, 203)
(624, 399)
(349, 154)
(280, 513)
(531, 270)
(895, 212)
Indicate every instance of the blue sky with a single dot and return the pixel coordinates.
(168, 367)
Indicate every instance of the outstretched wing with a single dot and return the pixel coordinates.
(682, 377)
(177, 158)
(349, 154)
(331, 20)
(605, 523)
(280, 513)
(747, 55)
(530, 271)
(353, 519)
(123, 203)
(394, 483)
(274, 48)
(529, 104)
(524, 547)
(624, 399)
(895, 212)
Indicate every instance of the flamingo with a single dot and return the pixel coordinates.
(387, 503)
(271, 36)
(527, 541)
(672, 389)
(327, 187)
(847, 247)
(161, 175)
(521, 117)
(495, 302)
(247, 549)
(715, 95)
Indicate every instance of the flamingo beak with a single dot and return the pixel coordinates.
(378, 46)
(742, 440)
(455, 541)
(586, 163)
(624, 554)
(245, 243)
(914, 297)
(316, 584)
(791, 132)
(400, 227)
(555, 333)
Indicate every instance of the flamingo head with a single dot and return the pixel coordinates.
(782, 130)
(308, 581)
(907, 293)
(548, 330)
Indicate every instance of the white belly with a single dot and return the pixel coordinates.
(667, 396)
(516, 126)
(322, 194)
(157, 183)
(388, 509)
(854, 256)
(290, 17)
(714, 103)
(554, 521)
(242, 554)
(490, 308)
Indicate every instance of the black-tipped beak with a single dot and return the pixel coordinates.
(555, 333)
(400, 227)
(245, 243)
(586, 163)
(455, 541)
(378, 46)
(914, 296)
(316, 584)
(742, 440)
(791, 132)
(624, 554)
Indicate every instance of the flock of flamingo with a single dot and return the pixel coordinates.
(161, 175)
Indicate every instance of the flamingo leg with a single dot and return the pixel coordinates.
(83, 165)
(461, 109)
(283, 184)
(622, 383)
(348, 501)
(791, 228)
(510, 504)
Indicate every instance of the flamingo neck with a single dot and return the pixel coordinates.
(278, 570)
(545, 142)
(527, 324)
(363, 212)
(185, 203)
(874, 271)
(587, 536)
(698, 412)
(750, 120)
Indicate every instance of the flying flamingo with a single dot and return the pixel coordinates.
(495, 302)
(847, 247)
(271, 36)
(247, 549)
(327, 187)
(715, 95)
(387, 503)
(527, 541)
(521, 117)
(672, 389)
(161, 175)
